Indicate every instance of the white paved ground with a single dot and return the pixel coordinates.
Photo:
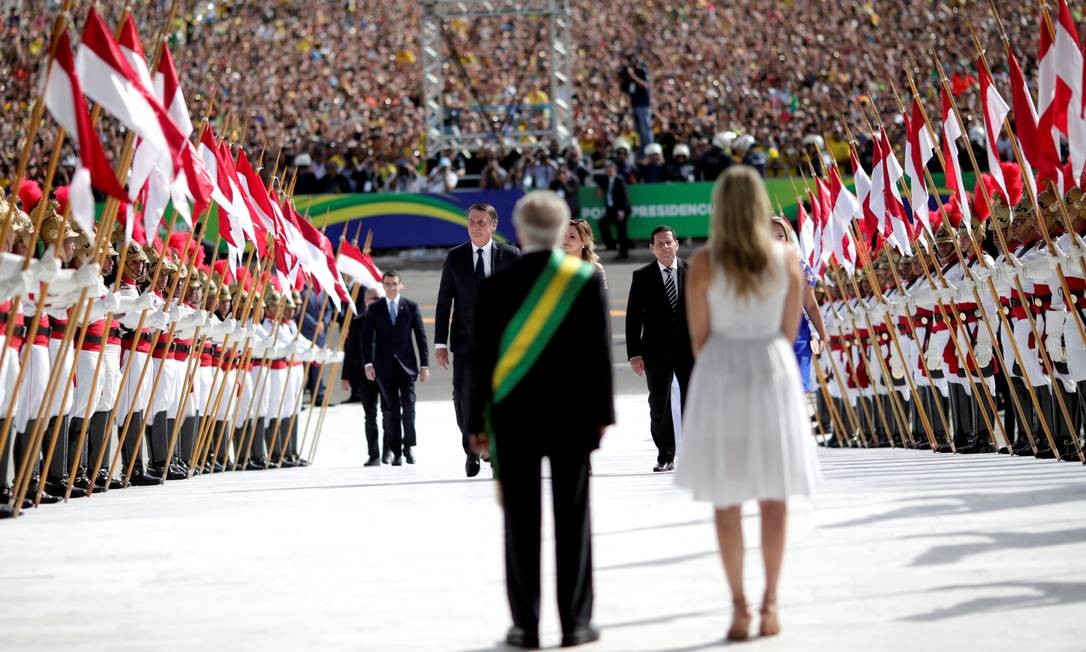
(901, 551)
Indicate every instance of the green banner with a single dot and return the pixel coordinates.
(685, 207)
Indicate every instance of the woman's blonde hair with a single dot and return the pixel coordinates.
(740, 236)
(588, 248)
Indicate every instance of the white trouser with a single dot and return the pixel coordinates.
(66, 361)
(136, 391)
(88, 388)
(110, 377)
(35, 382)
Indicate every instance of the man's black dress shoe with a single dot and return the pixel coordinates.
(408, 456)
(397, 461)
(387, 457)
(176, 473)
(517, 637)
(373, 461)
(47, 497)
(145, 480)
(580, 635)
(1045, 453)
(255, 465)
(663, 467)
(471, 466)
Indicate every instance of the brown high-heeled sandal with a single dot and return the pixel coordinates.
(770, 624)
(741, 617)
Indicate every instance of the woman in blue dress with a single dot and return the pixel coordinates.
(812, 331)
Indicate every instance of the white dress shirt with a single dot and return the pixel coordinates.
(488, 251)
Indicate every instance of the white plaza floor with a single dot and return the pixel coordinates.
(900, 551)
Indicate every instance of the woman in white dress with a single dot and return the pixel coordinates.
(746, 429)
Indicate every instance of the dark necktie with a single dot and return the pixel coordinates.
(394, 308)
(672, 292)
(480, 271)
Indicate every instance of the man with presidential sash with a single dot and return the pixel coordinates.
(533, 320)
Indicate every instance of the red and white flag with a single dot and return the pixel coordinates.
(818, 222)
(845, 209)
(1060, 97)
(869, 224)
(359, 266)
(806, 234)
(918, 152)
(995, 113)
(952, 131)
(900, 235)
(110, 80)
(65, 101)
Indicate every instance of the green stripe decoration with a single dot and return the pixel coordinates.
(536, 320)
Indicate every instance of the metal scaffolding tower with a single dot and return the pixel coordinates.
(436, 60)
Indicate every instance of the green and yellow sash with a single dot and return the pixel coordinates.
(537, 319)
(532, 327)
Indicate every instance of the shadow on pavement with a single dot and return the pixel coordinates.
(1034, 594)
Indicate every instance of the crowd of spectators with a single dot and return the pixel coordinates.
(335, 88)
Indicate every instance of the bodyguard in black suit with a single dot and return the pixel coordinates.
(658, 339)
(363, 390)
(617, 209)
(559, 409)
(466, 265)
(389, 355)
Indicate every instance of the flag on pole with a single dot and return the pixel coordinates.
(359, 266)
(952, 131)
(897, 228)
(110, 81)
(65, 101)
(918, 152)
(1060, 97)
(806, 233)
(995, 113)
(845, 209)
(870, 223)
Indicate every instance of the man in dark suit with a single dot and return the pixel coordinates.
(657, 337)
(363, 390)
(616, 202)
(466, 265)
(389, 356)
(521, 401)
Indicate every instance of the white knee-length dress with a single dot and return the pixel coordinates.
(746, 430)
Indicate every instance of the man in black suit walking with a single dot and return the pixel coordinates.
(658, 339)
(389, 356)
(466, 265)
(616, 202)
(363, 390)
(536, 319)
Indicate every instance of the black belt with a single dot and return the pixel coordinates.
(44, 331)
(100, 340)
(130, 336)
(18, 331)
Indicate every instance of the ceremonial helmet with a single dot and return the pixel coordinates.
(136, 253)
(151, 254)
(272, 299)
(288, 301)
(224, 292)
(22, 227)
(297, 297)
(54, 228)
(84, 247)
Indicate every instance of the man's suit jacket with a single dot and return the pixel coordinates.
(620, 197)
(352, 346)
(456, 293)
(567, 396)
(653, 332)
(387, 346)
